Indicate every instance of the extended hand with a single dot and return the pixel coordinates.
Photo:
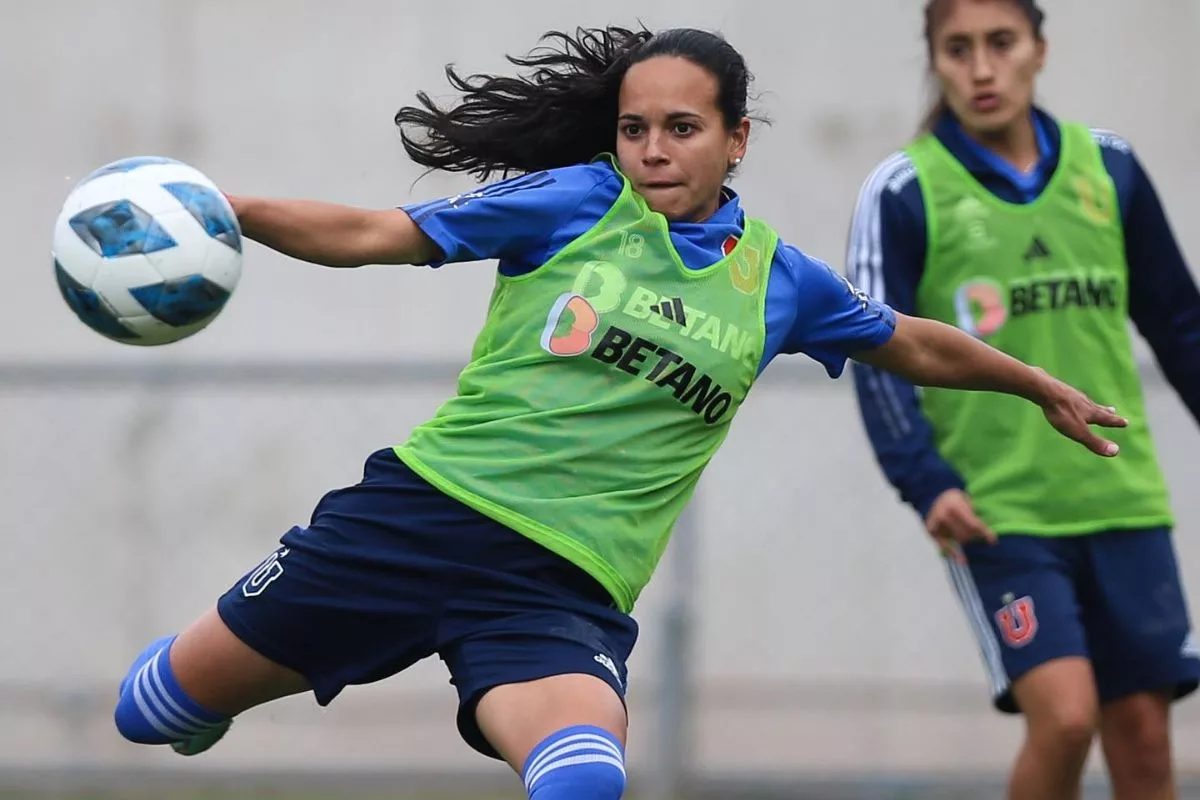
(1072, 413)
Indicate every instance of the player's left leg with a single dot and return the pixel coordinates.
(538, 657)
(1144, 655)
(564, 735)
(1135, 733)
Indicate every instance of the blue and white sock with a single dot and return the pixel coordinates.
(152, 708)
(579, 763)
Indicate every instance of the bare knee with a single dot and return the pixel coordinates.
(1135, 733)
(518, 717)
(1060, 706)
(1065, 726)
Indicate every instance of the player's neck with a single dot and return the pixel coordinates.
(1017, 144)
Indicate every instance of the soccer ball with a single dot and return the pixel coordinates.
(147, 251)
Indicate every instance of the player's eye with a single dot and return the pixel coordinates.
(631, 129)
(1003, 41)
(683, 128)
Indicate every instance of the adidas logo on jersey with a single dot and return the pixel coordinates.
(1037, 249)
(672, 309)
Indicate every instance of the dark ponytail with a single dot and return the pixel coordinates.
(936, 12)
(565, 110)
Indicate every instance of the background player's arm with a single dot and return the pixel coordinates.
(334, 235)
(886, 259)
(931, 353)
(1164, 302)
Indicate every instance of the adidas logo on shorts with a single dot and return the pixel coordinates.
(608, 664)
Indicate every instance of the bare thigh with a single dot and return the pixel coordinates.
(223, 674)
(517, 717)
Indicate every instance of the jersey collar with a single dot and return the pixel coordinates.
(988, 167)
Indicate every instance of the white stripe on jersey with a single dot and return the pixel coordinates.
(864, 268)
(1113, 141)
(864, 257)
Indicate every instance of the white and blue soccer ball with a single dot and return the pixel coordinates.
(147, 251)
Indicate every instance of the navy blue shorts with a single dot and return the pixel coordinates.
(391, 570)
(1114, 598)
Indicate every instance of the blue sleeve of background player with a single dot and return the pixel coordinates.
(886, 258)
(514, 220)
(1164, 302)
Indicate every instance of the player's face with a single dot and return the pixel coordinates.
(987, 60)
(672, 141)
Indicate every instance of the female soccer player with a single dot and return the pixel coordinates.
(635, 305)
(1040, 238)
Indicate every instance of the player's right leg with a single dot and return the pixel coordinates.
(1021, 600)
(185, 690)
(1059, 702)
(351, 598)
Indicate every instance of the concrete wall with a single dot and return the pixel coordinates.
(823, 614)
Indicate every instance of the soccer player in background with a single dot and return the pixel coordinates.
(1041, 238)
(635, 304)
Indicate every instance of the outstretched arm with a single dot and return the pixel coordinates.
(522, 221)
(334, 235)
(931, 353)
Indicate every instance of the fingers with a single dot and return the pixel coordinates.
(1074, 423)
(1107, 417)
(981, 531)
(951, 550)
(1099, 445)
(1084, 435)
(961, 525)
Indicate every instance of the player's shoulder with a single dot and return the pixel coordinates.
(1110, 140)
(814, 282)
(893, 175)
(544, 194)
(799, 265)
(585, 178)
(582, 178)
(890, 186)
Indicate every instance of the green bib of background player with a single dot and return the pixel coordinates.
(612, 373)
(1047, 283)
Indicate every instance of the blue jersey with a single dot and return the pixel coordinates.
(886, 259)
(523, 222)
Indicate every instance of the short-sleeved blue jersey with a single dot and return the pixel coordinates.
(524, 221)
(886, 258)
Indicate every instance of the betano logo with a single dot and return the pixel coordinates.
(569, 326)
(573, 329)
(980, 307)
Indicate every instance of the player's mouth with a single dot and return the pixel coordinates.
(985, 102)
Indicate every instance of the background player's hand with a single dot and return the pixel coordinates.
(952, 522)
(1072, 413)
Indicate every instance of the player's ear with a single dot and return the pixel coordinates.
(739, 138)
(1041, 48)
